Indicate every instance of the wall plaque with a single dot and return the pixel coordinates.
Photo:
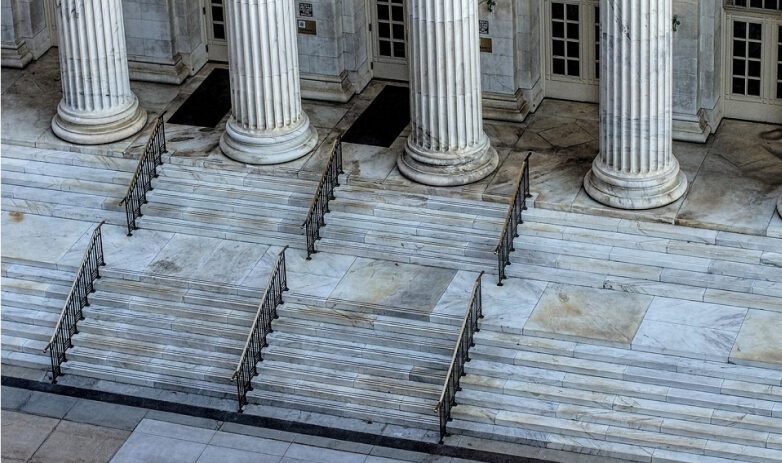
(485, 45)
(305, 10)
(483, 27)
(307, 27)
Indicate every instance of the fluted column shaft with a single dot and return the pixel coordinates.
(98, 105)
(636, 168)
(447, 144)
(267, 125)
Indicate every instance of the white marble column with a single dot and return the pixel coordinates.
(447, 144)
(97, 104)
(267, 125)
(636, 168)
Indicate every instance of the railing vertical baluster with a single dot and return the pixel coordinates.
(513, 219)
(78, 298)
(247, 369)
(329, 180)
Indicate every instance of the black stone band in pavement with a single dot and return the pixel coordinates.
(266, 422)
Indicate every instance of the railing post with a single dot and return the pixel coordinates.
(319, 207)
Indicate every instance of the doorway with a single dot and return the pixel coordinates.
(214, 24)
(388, 33)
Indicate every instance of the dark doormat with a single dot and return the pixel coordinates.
(382, 122)
(207, 106)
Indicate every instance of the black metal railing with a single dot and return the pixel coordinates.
(77, 299)
(460, 357)
(518, 203)
(262, 326)
(146, 170)
(319, 207)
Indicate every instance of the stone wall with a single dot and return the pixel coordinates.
(24, 32)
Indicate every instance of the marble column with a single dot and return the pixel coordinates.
(447, 145)
(97, 104)
(267, 125)
(636, 168)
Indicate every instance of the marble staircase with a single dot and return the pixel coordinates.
(617, 403)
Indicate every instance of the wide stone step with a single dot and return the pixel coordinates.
(229, 232)
(27, 330)
(267, 208)
(348, 363)
(57, 197)
(64, 211)
(190, 370)
(151, 350)
(36, 288)
(10, 178)
(286, 184)
(380, 323)
(356, 351)
(24, 345)
(511, 343)
(32, 361)
(234, 195)
(346, 395)
(31, 273)
(370, 414)
(224, 344)
(350, 379)
(364, 223)
(151, 380)
(423, 201)
(29, 315)
(393, 340)
(85, 174)
(69, 158)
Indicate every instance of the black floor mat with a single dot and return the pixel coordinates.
(207, 106)
(382, 122)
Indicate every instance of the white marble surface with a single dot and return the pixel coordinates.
(39, 238)
(636, 168)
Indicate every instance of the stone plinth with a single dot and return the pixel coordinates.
(636, 168)
(447, 145)
(267, 124)
(98, 105)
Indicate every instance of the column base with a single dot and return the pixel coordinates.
(81, 129)
(628, 191)
(270, 146)
(448, 169)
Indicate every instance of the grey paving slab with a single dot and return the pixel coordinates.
(396, 284)
(196, 421)
(141, 447)
(250, 443)
(214, 454)
(23, 434)
(759, 340)
(13, 398)
(106, 414)
(122, 251)
(594, 315)
(176, 431)
(80, 443)
(52, 405)
(322, 455)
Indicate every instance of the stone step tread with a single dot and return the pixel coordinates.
(409, 212)
(388, 368)
(352, 379)
(424, 257)
(148, 349)
(165, 337)
(34, 361)
(35, 288)
(458, 245)
(604, 374)
(164, 321)
(67, 171)
(69, 158)
(17, 179)
(327, 331)
(45, 304)
(27, 272)
(154, 380)
(58, 197)
(281, 338)
(359, 224)
(224, 178)
(497, 209)
(132, 362)
(178, 310)
(346, 394)
(357, 320)
(65, 211)
(241, 207)
(11, 343)
(29, 315)
(597, 392)
(367, 413)
(153, 280)
(231, 232)
(235, 193)
(28, 330)
(644, 414)
(623, 356)
(235, 221)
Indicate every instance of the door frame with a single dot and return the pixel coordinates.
(385, 67)
(766, 108)
(216, 49)
(585, 88)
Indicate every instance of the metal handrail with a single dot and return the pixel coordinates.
(76, 300)
(513, 218)
(262, 326)
(319, 206)
(146, 170)
(460, 356)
